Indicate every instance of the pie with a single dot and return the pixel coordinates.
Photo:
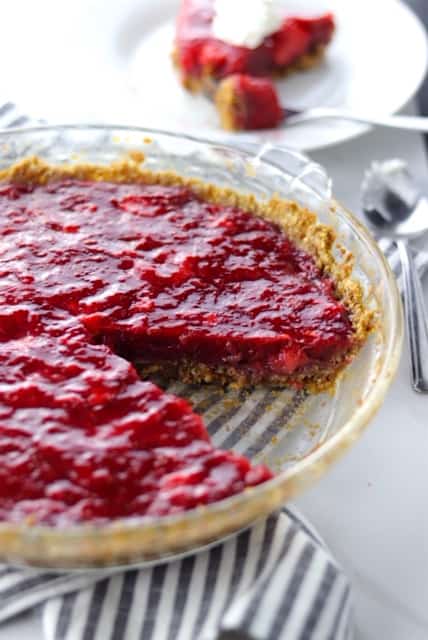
(106, 270)
(205, 61)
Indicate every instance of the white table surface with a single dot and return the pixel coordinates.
(372, 508)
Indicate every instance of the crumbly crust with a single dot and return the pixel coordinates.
(313, 378)
(298, 223)
(228, 105)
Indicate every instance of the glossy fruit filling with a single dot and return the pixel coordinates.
(199, 54)
(83, 438)
(92, 273)
(245, 103)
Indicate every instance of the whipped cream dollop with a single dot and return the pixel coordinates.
(246, 23)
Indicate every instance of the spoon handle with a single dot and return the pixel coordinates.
(416, 319)
(410, 123)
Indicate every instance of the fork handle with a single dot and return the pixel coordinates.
(416, 318)
(410, 123)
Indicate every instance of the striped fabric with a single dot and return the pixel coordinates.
(10, 116)
(390, 251)
(274, 581)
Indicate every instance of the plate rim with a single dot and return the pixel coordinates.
(341, 136)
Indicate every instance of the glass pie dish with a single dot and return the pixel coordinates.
(297, 435)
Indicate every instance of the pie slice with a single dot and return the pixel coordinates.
(240, 79)
(245, 102)
(105, 267)
(204, 60)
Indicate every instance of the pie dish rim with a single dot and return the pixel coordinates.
(247, 506)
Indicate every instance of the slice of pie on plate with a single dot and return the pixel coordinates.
(238, 69)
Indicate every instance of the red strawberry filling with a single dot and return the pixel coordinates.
(199, 53)
(245, 102)
(93, 272)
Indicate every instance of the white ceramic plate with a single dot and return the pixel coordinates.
(110, 61)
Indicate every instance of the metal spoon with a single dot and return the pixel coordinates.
(412, 123)
(395, 209)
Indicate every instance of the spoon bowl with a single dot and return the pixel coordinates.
(392, 203)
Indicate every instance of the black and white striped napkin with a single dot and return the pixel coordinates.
(11, 116)
(274, 581)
